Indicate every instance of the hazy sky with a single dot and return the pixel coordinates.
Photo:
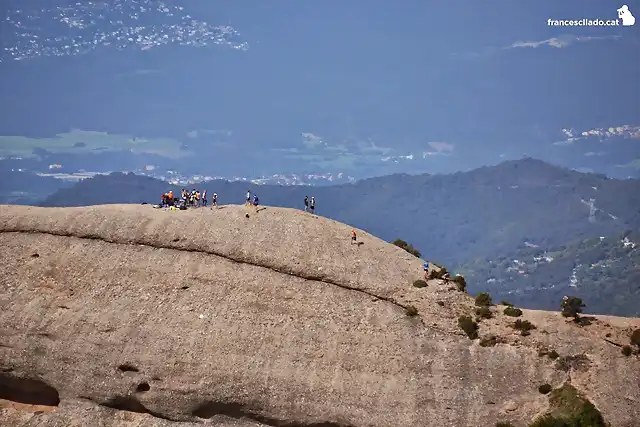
(333, 84)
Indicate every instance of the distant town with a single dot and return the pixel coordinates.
(177, 178)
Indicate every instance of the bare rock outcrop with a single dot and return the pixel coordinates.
(124, 315)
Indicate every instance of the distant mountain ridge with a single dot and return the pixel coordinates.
(18, 187)
(487, 213)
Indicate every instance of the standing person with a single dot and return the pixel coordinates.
(313, 204)
(353, 237)
(204, 198)
(247, 201)
(425, 267)
(255, 201)
(306, 203)
(214, 200)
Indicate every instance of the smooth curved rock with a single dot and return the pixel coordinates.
(276, 319)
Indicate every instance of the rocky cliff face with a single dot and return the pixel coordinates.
(125, 315)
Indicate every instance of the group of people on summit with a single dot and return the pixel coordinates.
(193, 198)
(196, 198)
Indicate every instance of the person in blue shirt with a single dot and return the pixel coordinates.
(425, 266)
(255, 200)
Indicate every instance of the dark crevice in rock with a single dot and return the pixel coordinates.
(209, 410)
(27, 390)
(45, 335)
(125, 403)
(130, 404)
(185, 247)
(240, 411)
(143, 387)
(127, 367)
(613, 343)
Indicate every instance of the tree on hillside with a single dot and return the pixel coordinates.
(635, 338)
(571, 307)
(407, 247)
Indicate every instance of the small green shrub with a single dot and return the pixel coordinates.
(524, 326)
(419, 283)
(544, 389)
(512, 311)
(549, 421)
(508, 304)
(407, 247)
(569, 408)
(483, 299)
(626, 350)
(635, 338)
(411, 311)
(553, 355)
(571, 306)
(460, 282)
(488, 341)
(470, 327)
(484, 312)
(438, 274)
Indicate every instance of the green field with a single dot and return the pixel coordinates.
(78, 141)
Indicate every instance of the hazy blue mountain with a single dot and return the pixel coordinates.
(604, 271)
(451, 219)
